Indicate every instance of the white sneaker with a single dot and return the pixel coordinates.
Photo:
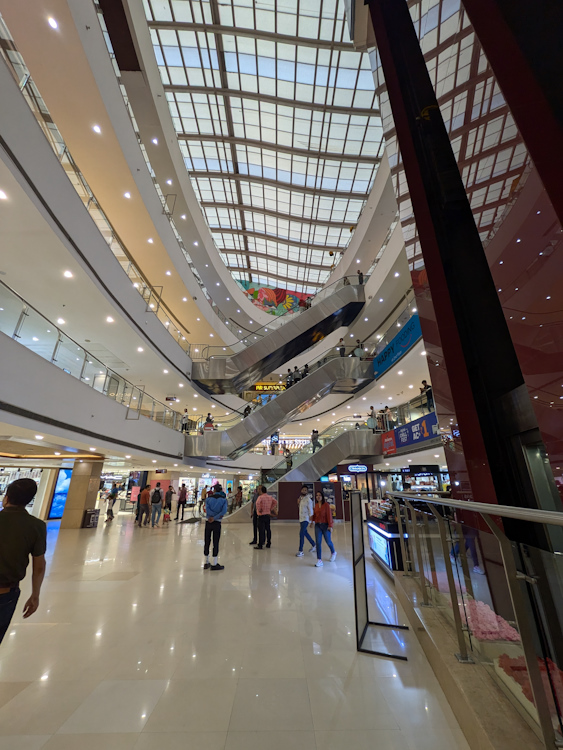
(299, 554)
(319, 564)
(479, 569)
(333, 557)
(313, 548)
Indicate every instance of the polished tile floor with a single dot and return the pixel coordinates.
(135, 647)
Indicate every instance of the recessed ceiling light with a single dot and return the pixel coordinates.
(211, 335)
(180, 385)
(52, 22)
(169, 182)
(3, 196)
(184, 299)
(422, 354)
(382, 386)
(126, 195)
(154, 460)
(381, 299)
(165, 372)
(518, 240)
(127, 456)
(109, 319)
(92, 449)
(218, 284)
(169, 273)
(197, 244)
(183, 216)
(396, 274)
(96, 129)
(228, 299)
(68, 274)
(548, 297)
(140, 349)
(35, 338)
(436, 455)
(411, 386)
(150, 240)
(39, 437)
(60, 321)
(57, 453)
(155, 141)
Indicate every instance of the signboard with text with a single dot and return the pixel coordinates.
(398, 346)
(418, 431)
(388, 443)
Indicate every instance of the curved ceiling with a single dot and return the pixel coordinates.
(278, 123)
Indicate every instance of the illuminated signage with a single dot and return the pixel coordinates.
(358, 468)
(268, 387)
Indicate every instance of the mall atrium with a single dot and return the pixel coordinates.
(272, 269)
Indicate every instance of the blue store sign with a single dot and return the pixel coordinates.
(418, 431)
(397, 347)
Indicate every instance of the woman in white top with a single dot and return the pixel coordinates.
(305, 503)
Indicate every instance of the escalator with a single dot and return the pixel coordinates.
(263, 351)
(341, 441)
(331, 374)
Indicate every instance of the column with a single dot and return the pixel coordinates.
(84, 485)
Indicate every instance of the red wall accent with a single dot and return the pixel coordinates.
(288, 492)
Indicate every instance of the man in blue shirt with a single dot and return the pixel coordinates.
(215, 509)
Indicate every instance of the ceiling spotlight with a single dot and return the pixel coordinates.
(39, 437)
(140, 349)
(109, 319)
(400, 372)
(68, 274)
(96, 129)
(169, 182)
(126, 195)
(180, 385)
(154, 460)
(91, 449)
(3, 196)
(57, 453)
(127, 456)
(169, 273)
(197, 245)
(381, 299)
(183, 216)
(60, 321)
(396, 274)
(52, 22)
(155, 141)
(150, 240)
(185, 299)
(423, 354)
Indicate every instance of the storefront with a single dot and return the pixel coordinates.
(9, 475)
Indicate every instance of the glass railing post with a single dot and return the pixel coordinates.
(56, 347)
(417, 544)
(407, 566)
(20, 321)
(463, 656)
(515, 579)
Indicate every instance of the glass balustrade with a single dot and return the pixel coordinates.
(25, 324)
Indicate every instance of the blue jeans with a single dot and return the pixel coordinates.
(7, 608)
(304, 534)
(322, 530)
(156, 511)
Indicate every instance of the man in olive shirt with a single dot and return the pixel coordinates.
(21, 535)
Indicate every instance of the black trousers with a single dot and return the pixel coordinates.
(264, 530)
(212, 530)
(254, 527)
(180, 505)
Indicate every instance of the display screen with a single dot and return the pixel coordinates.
(60, 494)
(379, 545)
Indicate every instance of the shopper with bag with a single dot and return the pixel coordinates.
(156, 504)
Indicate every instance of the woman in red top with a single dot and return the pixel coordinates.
(322, 516)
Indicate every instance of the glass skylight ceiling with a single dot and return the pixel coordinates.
(279, 126)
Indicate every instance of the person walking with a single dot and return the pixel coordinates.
(360, 277)
(215, 509)
(341, 348)
(306, 509)
(185, 420)
(372, 419)
(315, 440)
(144, 505)
(156, 504)
(247, 411)
(112, 497)
(322, 516)
(182, 499)
(266, 507)
(254, 516)
(202, 499)
(21, 535)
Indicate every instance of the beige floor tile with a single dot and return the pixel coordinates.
(271, 704)
(24, 742)
(9, 690)
(115, 706)
(92, 742)
(43, 706)
(279, 740)
(362, 739)
(181, 741)
(346, 704)
(272, 661)
(202, 705)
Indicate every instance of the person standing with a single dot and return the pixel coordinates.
(215, 509)
(305, 372)
(156, 504)
(182, 499)
(359, 350)
(315, 440)
(185, 420)
(230, 500)
(254, 516)
(266, 507)
(168, 498)
(322, 516)
(360, 277)
(306, 509)
(288, 459)
(21, 535)
(144, 505)
(429, 396)
(341, 348)
(346, 281)
(296, 375)
(288, 379)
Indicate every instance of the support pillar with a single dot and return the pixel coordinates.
(489, 397)
(82, 492)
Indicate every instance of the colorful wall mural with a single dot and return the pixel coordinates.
(273, 300)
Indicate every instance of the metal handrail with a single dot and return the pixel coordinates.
(506, 511)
